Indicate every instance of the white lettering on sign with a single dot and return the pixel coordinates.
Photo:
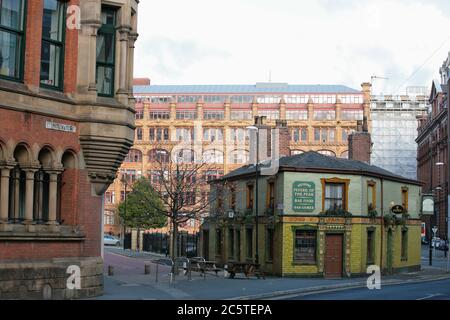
(60, 127)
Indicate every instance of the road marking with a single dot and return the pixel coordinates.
(430, 296)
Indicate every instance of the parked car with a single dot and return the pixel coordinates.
(442, 245)
(435, 242)
(110, 240)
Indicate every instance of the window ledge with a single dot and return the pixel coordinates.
(304, 264)
(20, 232)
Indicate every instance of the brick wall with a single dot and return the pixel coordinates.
(359, 146)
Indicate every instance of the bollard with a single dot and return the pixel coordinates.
(147, 269)
(110, 270)
(171, 277)
(185, 267)
(225, 271)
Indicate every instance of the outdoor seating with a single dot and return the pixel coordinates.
(247, 268)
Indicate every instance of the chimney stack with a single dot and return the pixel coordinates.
(283, 138)
(360, 143)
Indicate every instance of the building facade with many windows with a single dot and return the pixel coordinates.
(432, 156)
(66, 124)
(209, 122)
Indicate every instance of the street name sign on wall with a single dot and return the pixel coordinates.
(303, 196)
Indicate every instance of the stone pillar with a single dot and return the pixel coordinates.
(173, 110)
(29, 191)
(255, 107)
(226, 105)
(282, 109)
(123, 75)
(310, 106)
(4, 196)
(53, 197)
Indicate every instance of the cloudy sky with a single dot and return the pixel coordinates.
(296, 41)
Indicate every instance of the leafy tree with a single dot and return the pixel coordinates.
(142, 208)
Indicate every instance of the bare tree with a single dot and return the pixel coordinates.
(180, 181)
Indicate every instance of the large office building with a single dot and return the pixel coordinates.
(210, 122)
(394, 130)
(66, 124)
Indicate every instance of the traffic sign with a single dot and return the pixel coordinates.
(435, 229)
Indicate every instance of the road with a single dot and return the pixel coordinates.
(432, 290)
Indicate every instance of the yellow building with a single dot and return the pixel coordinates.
(319, 117)
(318, 216)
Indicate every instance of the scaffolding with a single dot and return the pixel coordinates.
(394, 132)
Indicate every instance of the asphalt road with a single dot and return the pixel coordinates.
(432, 290)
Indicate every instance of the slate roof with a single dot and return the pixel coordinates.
(310, 161)
(236, 89)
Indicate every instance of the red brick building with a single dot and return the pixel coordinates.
(66, 124)
(432, 157)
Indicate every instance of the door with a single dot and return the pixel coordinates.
(333, 255)
(206, 244)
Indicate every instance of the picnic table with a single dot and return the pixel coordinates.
(201, 265)
(247, 268)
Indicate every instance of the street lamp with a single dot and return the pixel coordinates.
(125, 182)
(256, 129)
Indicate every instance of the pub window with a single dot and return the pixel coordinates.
(370, 246)
(405, 198)
(250, 196)
(269, 247)
(404, 249)
(371, 196)
(249, 242)
(231, 243)
(218, 241)
(41, 196)
(233, 198)
(52, 48)
(106, 41)
(305, 246)
(238, 244)
(334, 196)
(270, 199)
(12, 39)
(17, 186)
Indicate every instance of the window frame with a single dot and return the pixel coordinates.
(404, 244)
(305, 262)
(22, 34)
(62, 45)
(344, 182)
(107, 29)
(370, 259)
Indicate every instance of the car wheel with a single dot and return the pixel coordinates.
(118, 244)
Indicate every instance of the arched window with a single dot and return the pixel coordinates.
(213, 156)
(239, 157)
(184, 156)
(158, 155)
(327, 153)
(295, 152)
(134, 156)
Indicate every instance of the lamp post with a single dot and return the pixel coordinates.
(256, 191)
(124, 181)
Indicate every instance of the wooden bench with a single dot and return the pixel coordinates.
(203, 266)
(247, 268)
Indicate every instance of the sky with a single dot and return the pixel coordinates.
(293, 41)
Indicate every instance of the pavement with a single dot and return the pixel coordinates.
(130, 282)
